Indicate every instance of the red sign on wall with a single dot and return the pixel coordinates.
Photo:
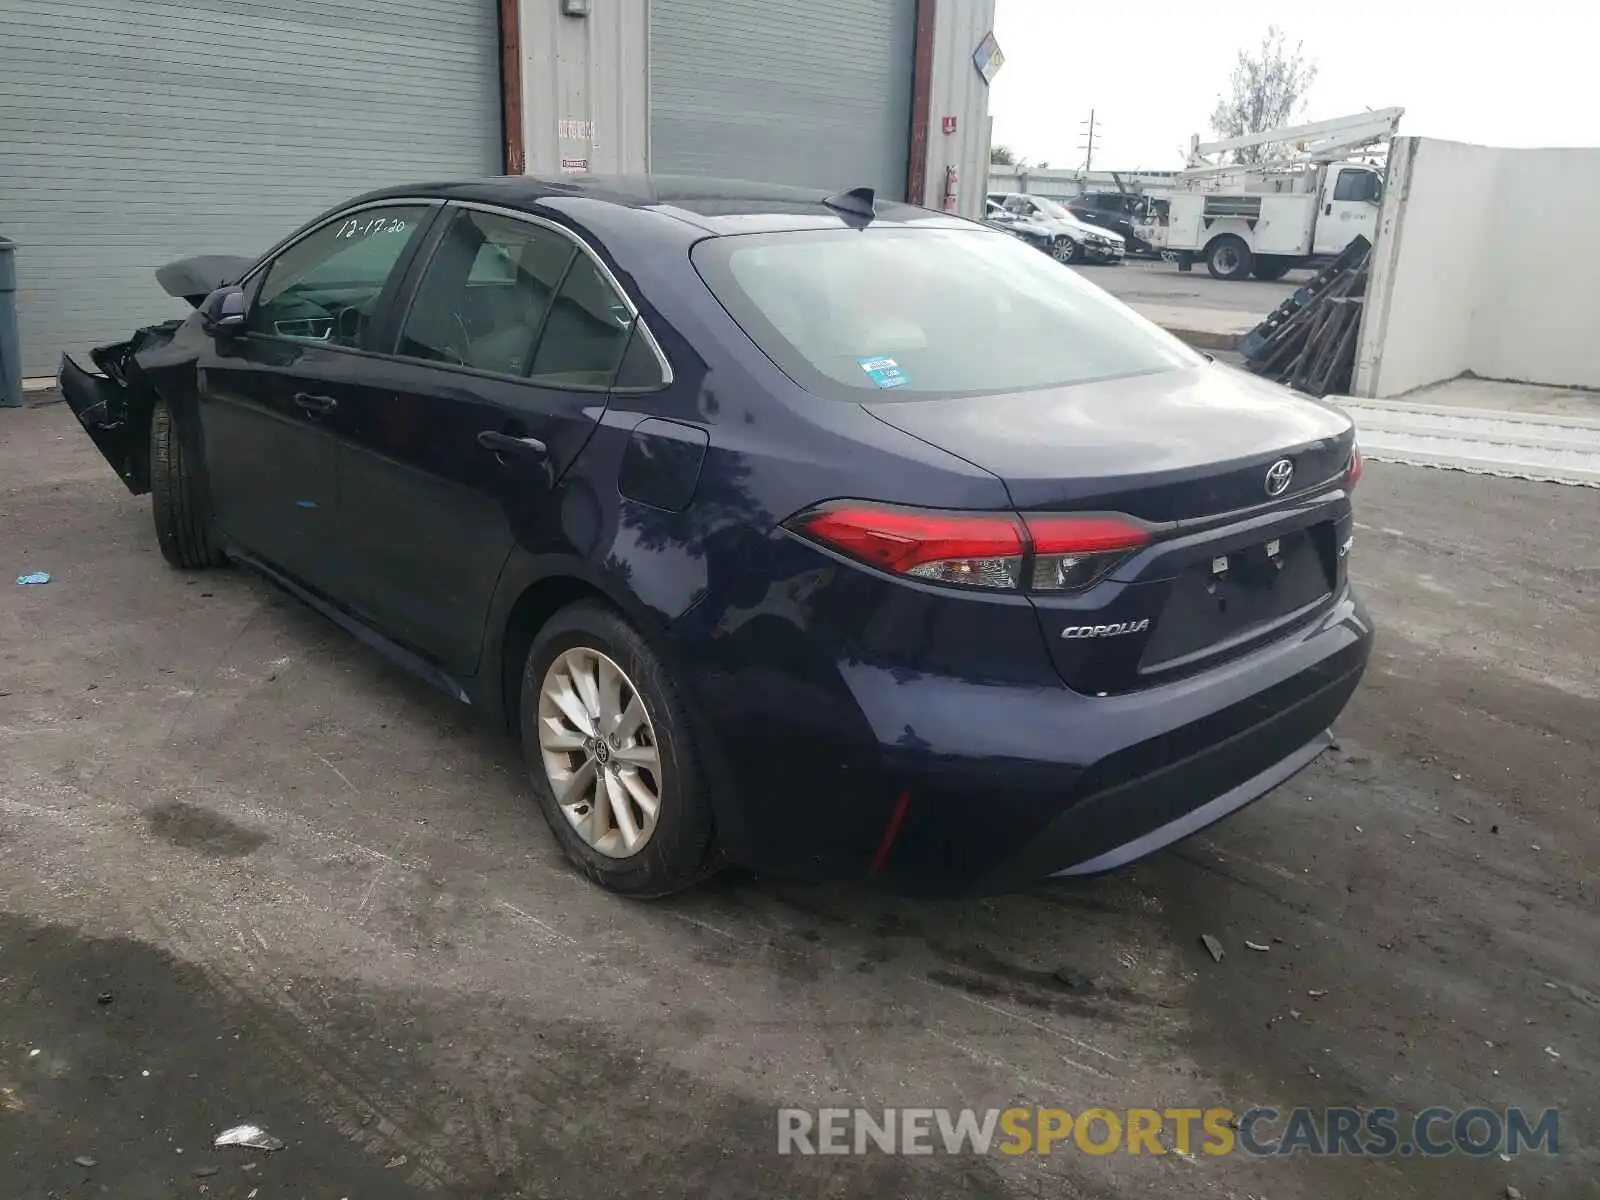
(949, 124)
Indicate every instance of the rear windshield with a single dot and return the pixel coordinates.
(895, 312)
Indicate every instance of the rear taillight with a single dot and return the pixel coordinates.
(984, 550)
(1352, 473)
(1072, 552)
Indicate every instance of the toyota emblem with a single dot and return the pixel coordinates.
(1278, 476)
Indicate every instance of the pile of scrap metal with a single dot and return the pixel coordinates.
(1309, 341)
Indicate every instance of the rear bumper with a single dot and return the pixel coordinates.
(936, 785)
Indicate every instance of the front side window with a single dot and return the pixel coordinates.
(892, 312)
(486, 293)
(325, 287)
(1358, 185)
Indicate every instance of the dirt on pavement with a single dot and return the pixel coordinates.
(240, 853)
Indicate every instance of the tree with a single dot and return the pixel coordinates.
(1002, 156)
(1267, 89)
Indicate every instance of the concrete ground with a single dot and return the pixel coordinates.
(250, 872)
(1208, 313)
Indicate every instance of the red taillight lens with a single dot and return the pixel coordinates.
(975, 549)
(1072, 552)
(1352, 473)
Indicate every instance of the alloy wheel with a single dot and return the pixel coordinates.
(600, 752)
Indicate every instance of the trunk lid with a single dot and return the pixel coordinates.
(1169, 446)
(1230, 565)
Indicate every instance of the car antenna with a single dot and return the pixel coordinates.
(858, 202)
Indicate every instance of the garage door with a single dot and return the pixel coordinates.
(812, 94)
(134, 132)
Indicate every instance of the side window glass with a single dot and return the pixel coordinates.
(486, 293)
(325, 287)
(587, 331)
(1357, 185)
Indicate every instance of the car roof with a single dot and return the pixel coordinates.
(717, 206)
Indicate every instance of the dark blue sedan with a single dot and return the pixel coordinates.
(828, 536)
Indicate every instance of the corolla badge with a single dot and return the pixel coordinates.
(1278, 476)
(1100, 631)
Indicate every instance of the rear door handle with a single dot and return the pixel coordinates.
(317, 405)
(507, 445)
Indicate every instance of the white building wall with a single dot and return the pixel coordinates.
(957, 90)
(1479, 268)
(585, 87)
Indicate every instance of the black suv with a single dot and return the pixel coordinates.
(1116, 211)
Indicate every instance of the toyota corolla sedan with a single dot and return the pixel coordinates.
(828, 536)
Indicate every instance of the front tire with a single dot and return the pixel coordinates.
(606, 740)
(177, 497)
(1065, 250)
(1229, 258)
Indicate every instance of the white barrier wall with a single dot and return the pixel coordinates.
(1486, 263)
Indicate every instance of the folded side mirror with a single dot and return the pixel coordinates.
(223, 310)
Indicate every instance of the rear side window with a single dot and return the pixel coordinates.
(486, 293)
(587, 331)
(892, 312)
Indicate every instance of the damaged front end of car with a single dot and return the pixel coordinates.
(110, 389)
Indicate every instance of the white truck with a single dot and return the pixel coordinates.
(1304, 201)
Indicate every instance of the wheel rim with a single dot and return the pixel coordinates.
(1227, 259)
(600, 752)
(1062, 250)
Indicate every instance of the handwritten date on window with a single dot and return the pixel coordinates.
(358, 227)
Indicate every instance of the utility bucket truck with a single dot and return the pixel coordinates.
(1304, 198)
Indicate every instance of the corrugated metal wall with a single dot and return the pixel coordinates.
(817, 93)
(134, 132)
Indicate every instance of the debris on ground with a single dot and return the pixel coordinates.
(399, 1160)
(1309, 341)
(104, 998)
(1512, 1193)
(1551, 1052)
(1257, 946)
(1295, 1013)
(206, 1172)
(34, 578)
(1459, 817)
(83, 1160)
(1078, 980)
(1212, 945)
(252, 1136)
(1317, 993)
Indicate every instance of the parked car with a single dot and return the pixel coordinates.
(1073, 241)
(835, 537)
(1120, 212)
(1034, 233)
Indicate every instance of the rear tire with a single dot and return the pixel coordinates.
(600, 801)
(177, 497)
(1229, 258)
(1269, 268)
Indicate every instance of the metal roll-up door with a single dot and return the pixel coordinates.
(816, 94)
(134, 132)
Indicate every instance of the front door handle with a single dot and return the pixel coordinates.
(316, 405)
(504, 445)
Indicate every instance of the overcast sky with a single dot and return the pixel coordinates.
(1512, 74)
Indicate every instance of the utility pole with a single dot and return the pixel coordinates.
(1088, 145)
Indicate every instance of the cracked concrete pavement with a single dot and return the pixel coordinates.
(250, 872)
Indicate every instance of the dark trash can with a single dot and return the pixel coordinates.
(10, 338)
